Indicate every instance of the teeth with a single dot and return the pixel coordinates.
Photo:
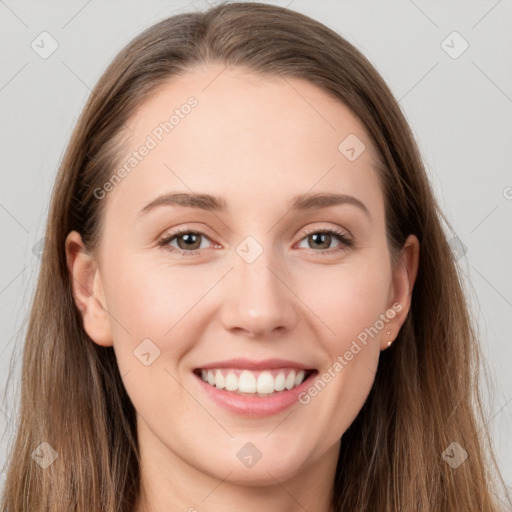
(231, 382)
(246, 381)
(280, 382)
(290, 381)
(219, 380)
(266, 383)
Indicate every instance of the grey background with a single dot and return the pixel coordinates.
(459, 110)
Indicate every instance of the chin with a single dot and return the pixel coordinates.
(263, 472)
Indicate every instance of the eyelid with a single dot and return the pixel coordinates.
(316, 229)
(174, 232)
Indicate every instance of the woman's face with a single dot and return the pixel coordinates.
(264, 281)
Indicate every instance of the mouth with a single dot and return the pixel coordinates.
(255, 383)
(254, 389)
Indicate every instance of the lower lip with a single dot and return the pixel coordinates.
(255, 406)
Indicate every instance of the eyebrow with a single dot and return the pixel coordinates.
(218, 204)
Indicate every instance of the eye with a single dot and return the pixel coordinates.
(189, 242)
(322, 239)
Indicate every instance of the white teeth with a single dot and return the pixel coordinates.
(300, 377)
(263, 383)
(219, 379)
(231, 382)
(290, 380)
(266, 383)
(279, 382)
(247, 382)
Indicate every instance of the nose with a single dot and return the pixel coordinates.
(261, 303)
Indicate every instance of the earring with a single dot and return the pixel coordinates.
(390, 341)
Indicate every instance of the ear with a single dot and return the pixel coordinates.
(404, 275)
(88, 290)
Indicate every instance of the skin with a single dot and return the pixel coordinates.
(257, 142)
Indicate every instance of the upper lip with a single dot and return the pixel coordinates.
(250, 364)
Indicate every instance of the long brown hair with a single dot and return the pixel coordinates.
(426, 391)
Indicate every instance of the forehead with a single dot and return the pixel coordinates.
(245, 136)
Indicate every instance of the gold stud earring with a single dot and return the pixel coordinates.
(390, 341)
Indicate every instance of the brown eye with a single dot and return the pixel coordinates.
(188, 242)
(320, 240)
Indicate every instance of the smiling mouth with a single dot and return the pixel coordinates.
(254, 383)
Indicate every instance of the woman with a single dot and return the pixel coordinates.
(190, 347)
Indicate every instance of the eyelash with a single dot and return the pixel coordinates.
(346, 242)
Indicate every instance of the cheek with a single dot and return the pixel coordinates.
(352, 309)
(349, 299)
(156, 309)
(154, 301)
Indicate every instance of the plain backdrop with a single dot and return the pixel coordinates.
(448, 64)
